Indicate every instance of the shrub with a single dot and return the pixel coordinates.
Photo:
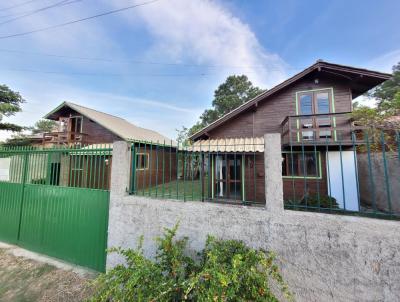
(226, 270)
(313, 200)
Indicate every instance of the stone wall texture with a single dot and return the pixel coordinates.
(374, 188)
(323, 257)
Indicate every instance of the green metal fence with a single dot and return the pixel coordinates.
(353, 170)
(55, 201)
(226, 171)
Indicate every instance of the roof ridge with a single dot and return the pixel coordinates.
(74, 104)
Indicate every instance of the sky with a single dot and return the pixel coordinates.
(157, 64)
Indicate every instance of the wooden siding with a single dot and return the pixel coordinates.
(269, 114)
(97, 134)
(267, 118)
(254, 190)
(156, 172)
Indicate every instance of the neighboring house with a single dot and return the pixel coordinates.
(91, 133)
(79, 125)
(310, 110)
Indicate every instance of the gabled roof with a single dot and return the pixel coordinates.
(119, 126)
(363, 79)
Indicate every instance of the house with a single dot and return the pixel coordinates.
(87, 134)
(79, 125)
(311, 111)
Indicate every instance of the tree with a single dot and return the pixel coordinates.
(44, 126)
(235, 91)
(387, 91)
(10, 103)
(25, 139)
(388, 97)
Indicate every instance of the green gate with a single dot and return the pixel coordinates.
(55, 201)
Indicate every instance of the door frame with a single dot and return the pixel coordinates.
(227, 181)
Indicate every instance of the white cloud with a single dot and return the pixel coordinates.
(160, 116)
(182, 31)
(204, 32)
(386, 61)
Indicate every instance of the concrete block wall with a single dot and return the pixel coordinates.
(323, 257)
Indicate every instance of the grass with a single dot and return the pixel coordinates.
(23, 280)
(177, 189)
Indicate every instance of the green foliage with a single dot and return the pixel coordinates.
(231, 94)
(231, 271)
(182, 136)
(225, 271)
(44, 126)
(235, 91)
(10, 103)
(388, 97)
(367, 116)
(313, 200)
(386, 92)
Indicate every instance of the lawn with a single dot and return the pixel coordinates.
(178, 189)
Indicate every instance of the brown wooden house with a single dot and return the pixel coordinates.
(311, 111)
(85, 128)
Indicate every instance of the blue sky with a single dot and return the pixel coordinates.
(158, 65)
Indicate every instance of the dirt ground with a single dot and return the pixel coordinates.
(23, 280)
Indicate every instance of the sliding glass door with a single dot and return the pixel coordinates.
(228, 177)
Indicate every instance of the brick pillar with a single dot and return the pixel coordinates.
(273, 173)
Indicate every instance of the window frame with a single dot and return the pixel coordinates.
(331, 99)
(313, 92)
(319, 163)
(147, 166)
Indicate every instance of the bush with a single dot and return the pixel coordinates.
(226, 270)
(313, 200)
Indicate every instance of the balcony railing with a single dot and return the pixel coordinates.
(65, 138)
(319, 129)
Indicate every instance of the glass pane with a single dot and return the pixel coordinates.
(323, 102)
(234, 190)
(284, 162)
(78, 124)
(308, 164)
(220, 168)
(234, 168)
(293, 166)
(306, 103)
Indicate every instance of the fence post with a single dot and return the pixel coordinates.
(120, 169)
(120, 177)
(273, 173)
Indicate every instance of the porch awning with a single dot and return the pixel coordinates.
(239, 144)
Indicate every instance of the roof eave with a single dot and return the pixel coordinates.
(318, 65)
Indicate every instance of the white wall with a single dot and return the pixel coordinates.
(5, 169)
(342, 179)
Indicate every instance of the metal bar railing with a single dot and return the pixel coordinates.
(361, 178)
(75, 166)
(222, 171)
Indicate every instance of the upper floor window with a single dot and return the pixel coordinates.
(316, 105)
(76, 124)
(315, 102)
